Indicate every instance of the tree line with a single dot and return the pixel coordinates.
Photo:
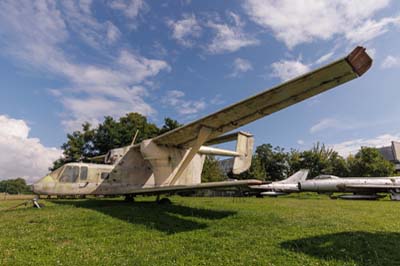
(14, 186)
(91, 141)
(274, 163)
(269, 163)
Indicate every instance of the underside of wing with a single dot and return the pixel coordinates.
(210, 185)
(273, 100)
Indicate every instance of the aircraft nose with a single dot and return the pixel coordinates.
(35, 188)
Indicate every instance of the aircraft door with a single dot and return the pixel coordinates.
(83, 180)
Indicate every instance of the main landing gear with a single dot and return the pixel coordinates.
(129, 198)
(163, 201)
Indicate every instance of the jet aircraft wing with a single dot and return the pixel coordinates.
(209, 185)
(270, 101)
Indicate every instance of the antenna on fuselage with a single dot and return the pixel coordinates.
(127, 148)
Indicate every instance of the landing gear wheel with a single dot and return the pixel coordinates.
(129, 198)
(36, 204)
(164, 201)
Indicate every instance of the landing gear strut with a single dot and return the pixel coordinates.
(129, 198)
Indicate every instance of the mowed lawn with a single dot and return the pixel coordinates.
(296, 230)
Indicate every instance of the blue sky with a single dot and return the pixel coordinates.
(66, 62)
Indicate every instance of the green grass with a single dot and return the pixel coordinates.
(306, 230)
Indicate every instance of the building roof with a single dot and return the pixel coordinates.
(392, 153)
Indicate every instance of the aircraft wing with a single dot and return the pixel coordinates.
(209, 185)
(273, 100)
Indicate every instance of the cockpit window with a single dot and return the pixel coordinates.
(83, 175)
(325, 177)
(70, 174)
(56, 172)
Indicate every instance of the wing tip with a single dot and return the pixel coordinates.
(359, 60)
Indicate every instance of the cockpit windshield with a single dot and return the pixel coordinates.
(70, 174)
(56, 172)
(325, 177)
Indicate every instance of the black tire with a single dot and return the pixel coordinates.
(165, 201)
(129, 198)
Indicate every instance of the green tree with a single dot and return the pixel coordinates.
(319, 160)
(14, 186)
(273, 161)
(212, 171)
(110, 134)
(169, 124)
(114, 134)
(256, 170)
(78, 147)
(79, 144)
(370, 162)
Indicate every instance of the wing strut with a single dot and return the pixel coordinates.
(202, 137)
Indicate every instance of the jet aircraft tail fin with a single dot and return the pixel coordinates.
(299, 176)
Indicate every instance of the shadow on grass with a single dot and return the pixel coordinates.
(170, 219)
(356, 248)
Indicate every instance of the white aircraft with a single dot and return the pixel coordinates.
(361, 187)
(173, 161)
(283, 187)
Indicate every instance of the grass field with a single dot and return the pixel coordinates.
(202, 231)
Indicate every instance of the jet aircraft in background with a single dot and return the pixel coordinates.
(173, 162)
(283, 187)
(361, 187)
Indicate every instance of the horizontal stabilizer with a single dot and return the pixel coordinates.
(242, 155)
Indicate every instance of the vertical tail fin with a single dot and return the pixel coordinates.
(296, 177)
(244, 146)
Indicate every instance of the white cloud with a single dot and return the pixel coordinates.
(240, 65)
(113, 33)
(109, 91)
(217, 100)
(159, 50)
(79, 19)
(352, 146)
(372, 52)
(85, 5)
(296, 22)
(23, 156)
(229, 38)
(175, 99)
(130, 8)
(300, 142)
(326, 123)
(185, 30)
(324, 58)
(371, 29)
(287, 69)
(391, 62)
(37, 31)
(335, 124)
